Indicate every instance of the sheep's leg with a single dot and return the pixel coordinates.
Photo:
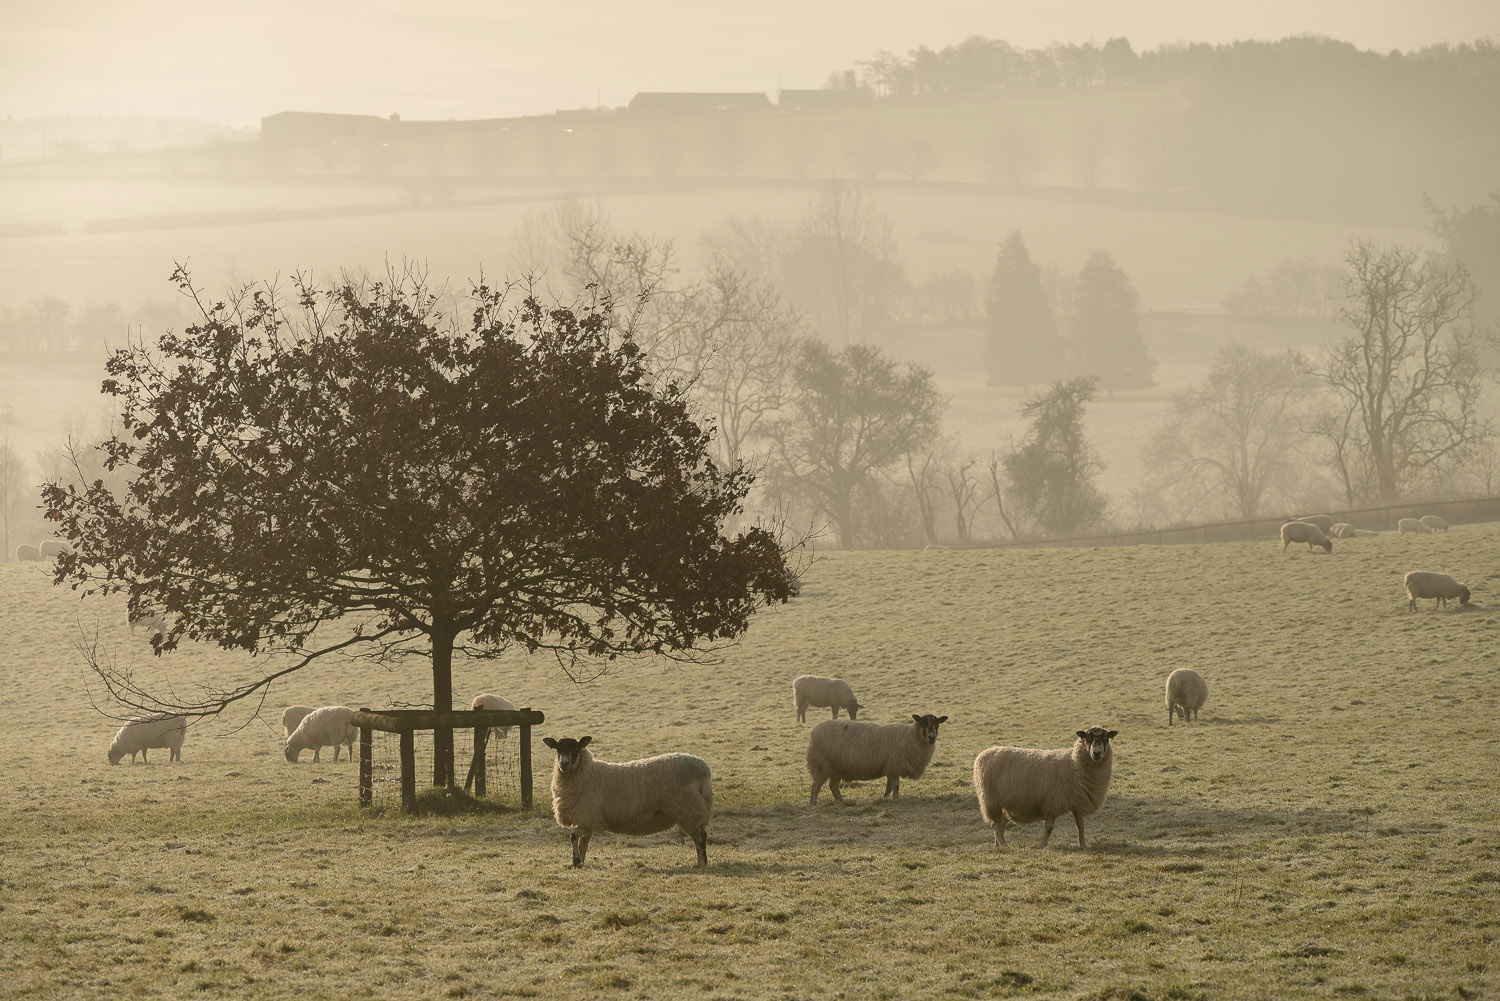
(580, 846)
(1078, 819)
(1047, 834)
(893, 786)
(999, 825)
(817, 785)
(145, 758)
(316, 749)
(701, 840)
(833, 787)
(835, 712)
(1171, 711)
(801, 713)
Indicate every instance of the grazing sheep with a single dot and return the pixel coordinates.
(645, 796)
(1412, 525)
(154, 622)
(51, 548)
(1323, 521)
(320, 728)
(1432, 521)
(842, 750)
(1425, 584)
(493, 702)
(292, 717)
(811, 690)
(27, 553)
(137, 735)
(1344, 530)
(1186, 693)
(1303, 531)
(1026, 785)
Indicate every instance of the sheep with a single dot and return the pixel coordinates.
(811, 690)
(51, 548)
(1434, 523)
(154, 622)
(1412, 525)
(842, 750)
(1186, 693)
(292, 717)
(1425, 584)
(493, 702)
(1344, 530)
(1304, 531)
(645, 796)
(137, 735)
(1024, 785)
(321, 727)
(1323, 521)
(27, 553)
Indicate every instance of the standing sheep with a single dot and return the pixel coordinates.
(320, 728)
(52, 548)
(26, 552)
(842, 750)
(811, 690)
(136, 736)
(1323, 521)
(1302, 531)
(645, 796)
(1434, 523)
(292, 717)
(1412, 525)
(1186, 693)
(1026, 785)
(493, 702)
(1426, 584)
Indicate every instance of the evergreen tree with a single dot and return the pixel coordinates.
(1021, 345)
(1104, 335)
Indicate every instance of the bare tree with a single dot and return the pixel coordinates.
(844, 271)
(924, 485)
(1408, 381)
(995, 464)
(964, 493)
(1236, 434)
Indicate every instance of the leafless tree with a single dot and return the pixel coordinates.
(924, 485)
(964, 493)
(844, 271)
(1407, 382)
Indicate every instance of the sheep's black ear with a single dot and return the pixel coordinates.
(584, 742)
(916, 717)
(1113, 734)
(942, 719)
(550, 742)
(1084, 734)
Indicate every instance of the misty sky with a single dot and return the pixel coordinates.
(233, 62)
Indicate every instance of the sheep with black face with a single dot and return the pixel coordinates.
(1024, 785)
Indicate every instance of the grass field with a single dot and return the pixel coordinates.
(1330, 829)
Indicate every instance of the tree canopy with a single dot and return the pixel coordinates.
(525, 481)
(1051, 471)
(1021, 346)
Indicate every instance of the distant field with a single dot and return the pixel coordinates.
(1329, 829)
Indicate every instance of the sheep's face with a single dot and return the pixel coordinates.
(1096, 741)
(853, 708)
(1463, 594)
(1327, 545)
(928, 726)
(115, 756)
(569, 751)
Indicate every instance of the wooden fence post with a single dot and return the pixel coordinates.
(366, 767)
(526, 766)
(408, 772)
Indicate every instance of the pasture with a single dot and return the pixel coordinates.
(1330, 829)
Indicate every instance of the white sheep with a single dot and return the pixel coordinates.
(1323, 521)
(149, 619)
(1434, 523)
(842, 750)
(645, 796)
(137, 735)
(1426, 584)
(493, 702)
(812, 690)
(320, 728)
(1412, 525)
(1025, 785)
(292, 717)
(51, 548)
(26, 552)
(1304, 531)
(1344, 530)
(1186, 693)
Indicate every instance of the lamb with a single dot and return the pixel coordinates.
(1412, 525)
(1303, 531)
(842, 750)
(493, 702)
(1344, 530)
(320, 728)
(1434, 523)
(1323, 521)
(27, 553)
(292, 717)
(811, 690)
(1186, 693)
(138, 735)
(645, 796)
(1425, 584)
(1024, 785)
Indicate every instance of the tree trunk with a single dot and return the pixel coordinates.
(442, 701)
